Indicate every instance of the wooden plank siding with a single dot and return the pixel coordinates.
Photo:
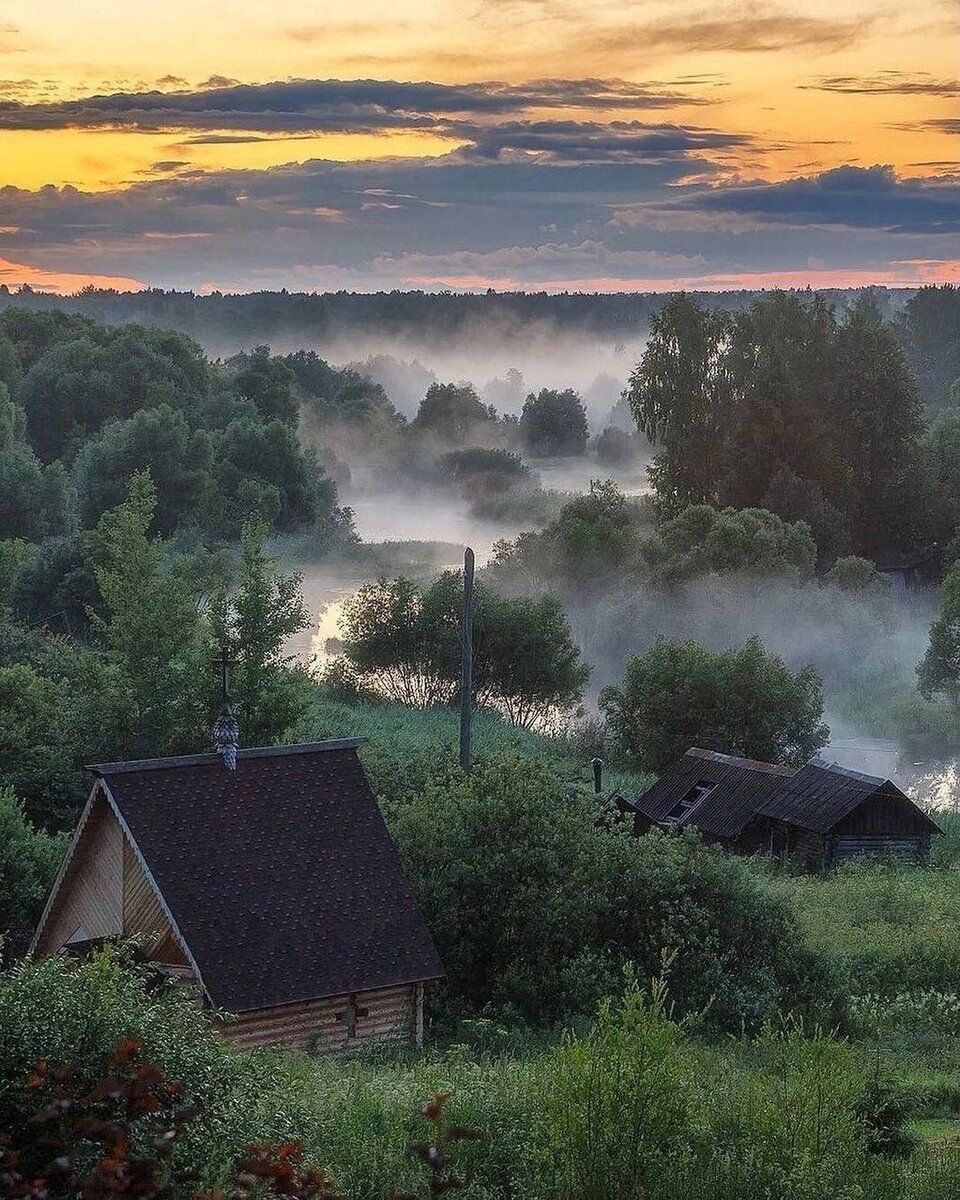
(143, 914)
(89, 902)
(105, 891)
(392, 1014)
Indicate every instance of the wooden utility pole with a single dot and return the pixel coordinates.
(466, 662)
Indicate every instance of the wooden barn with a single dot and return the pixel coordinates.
(821, 813)
(264, 878)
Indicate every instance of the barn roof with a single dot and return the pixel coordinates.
(821, 794)
(280, 875)
(739, 786)
(816, 797)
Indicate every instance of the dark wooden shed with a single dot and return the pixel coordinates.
(273, 888)
(821, 813)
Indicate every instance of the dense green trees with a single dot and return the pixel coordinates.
(536, 906)
(554, 423)
(785, 405)
(251, 623)
(220, 443)
(150, 632)
(137, 677)
(158, 440)
(594, 537)
(402, 641)
(741, 701)
(704, 541)
(28, 862)
(35, 501)
(929, 330)
(939, 669)
(452, 413)
(267, 383)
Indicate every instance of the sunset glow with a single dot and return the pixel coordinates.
(526, 143)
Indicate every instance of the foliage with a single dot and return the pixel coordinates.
(88, 376)
(56, 586)
(452, 413)
(267, 383)
(402, 642)
(784, 405)
(939, 669)
(554, 423)
(34, 500)
(741, 701)
(929, 330)
(41, 739)
(858, 575)
(158, 440)
(150, 632)
(251, 625)
(617, 1103)
(702, 540)
(680, 396)
(615, 447)
(536, 904)
(591, 539)
(28, 862)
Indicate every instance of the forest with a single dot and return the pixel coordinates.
(752, 546)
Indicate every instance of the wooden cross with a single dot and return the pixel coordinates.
(350, 1014)
(223, 662)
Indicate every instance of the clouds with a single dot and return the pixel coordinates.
(506, 220)
(332, 105)
(847, 197)
(742, 29)
(886, 83)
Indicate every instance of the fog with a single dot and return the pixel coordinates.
(504, 366)
(866, 651)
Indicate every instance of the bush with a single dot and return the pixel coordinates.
(536, 906)
(29, 859)
(743, 701)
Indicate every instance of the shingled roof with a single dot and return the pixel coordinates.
(738, 785)
(821, 794)
(280, 876)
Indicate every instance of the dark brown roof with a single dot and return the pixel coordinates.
(281, 875)
(821, 794)
(739, 786)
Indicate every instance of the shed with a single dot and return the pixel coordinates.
(273, 888)
(822, 813)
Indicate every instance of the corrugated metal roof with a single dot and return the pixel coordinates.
(816, 797)
(281, 875)
(821, 794)
(738, 786)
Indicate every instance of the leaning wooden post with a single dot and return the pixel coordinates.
(466, 662)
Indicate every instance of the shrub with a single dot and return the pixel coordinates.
(536, 906)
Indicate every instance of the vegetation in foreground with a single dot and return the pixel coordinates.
(636, 1105)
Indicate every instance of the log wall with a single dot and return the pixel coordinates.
(393, 1014)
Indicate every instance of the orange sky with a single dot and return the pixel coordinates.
(760, 67)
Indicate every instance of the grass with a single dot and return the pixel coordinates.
(405, 746)
(892, 928)
(935, 1130)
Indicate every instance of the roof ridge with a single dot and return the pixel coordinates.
(836, 768)
(750, 764)
(198, 760)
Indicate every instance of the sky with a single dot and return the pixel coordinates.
(593, 145)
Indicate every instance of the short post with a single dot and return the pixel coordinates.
(597, 764)
(466, 662)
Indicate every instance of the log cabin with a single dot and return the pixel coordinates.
(264, 879)
(821, 814)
